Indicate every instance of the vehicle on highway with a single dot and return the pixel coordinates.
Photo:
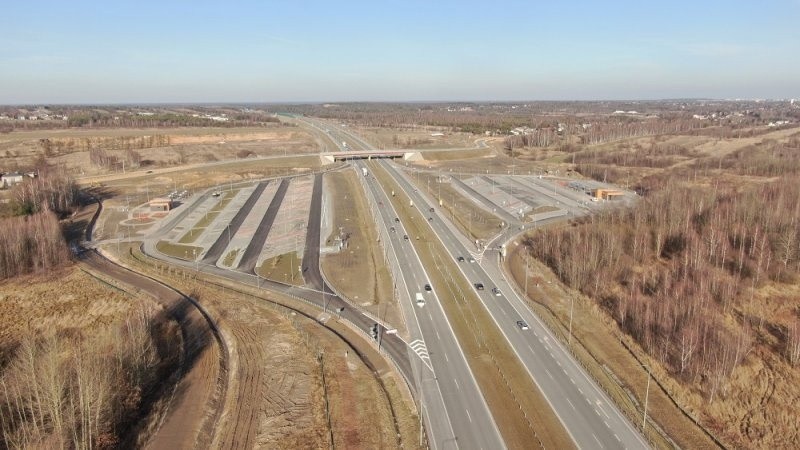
(479, 286)
(397, 220)
(405, 236)
(471, 259)
(431, 210)
(496, 292)
(428, 287)
(460, 259)
(430, 219)
(391, 229)
(522, 325)
(420, 299)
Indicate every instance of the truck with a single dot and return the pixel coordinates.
(364, 171)
(420, 299)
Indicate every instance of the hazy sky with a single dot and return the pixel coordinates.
(260, 51)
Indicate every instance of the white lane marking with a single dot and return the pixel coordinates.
(437, 335)
(445, 357)
(468, 416)
(548, 374)
(615, 435)
(603, 410)
(570, 404)
(457, 386)
(572, 379)
(598, 441)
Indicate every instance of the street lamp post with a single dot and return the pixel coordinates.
(646, 398)
(571, 307)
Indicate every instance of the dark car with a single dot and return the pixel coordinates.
(428, 287)
(479, 286)
(496, 292)
(430, 219)
(391, 229)
(431, 210)
(522, 325)
(397, 219)
(460, 259)
(405, 236)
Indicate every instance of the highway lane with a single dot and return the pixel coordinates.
(586, 412)
(462, 403)
(455, 412)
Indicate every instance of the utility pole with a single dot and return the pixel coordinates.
(646, 397)
(571, 307)
(526, 278)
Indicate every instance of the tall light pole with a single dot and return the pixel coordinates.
(571, 307)
(646, 397)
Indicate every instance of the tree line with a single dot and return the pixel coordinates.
(32, 239)
(71, 390)
(674, 270)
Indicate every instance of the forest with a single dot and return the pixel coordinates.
(682, 271)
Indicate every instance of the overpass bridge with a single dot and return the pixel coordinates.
(409, 155)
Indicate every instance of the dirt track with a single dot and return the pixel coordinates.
(193, 411)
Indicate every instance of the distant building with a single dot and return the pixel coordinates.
(10, 179)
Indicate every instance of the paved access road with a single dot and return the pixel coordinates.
(328, 302)
(250, 257)
(191, 416)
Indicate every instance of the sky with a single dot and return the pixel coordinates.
(199, 51)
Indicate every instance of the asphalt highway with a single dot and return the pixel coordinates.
(452, 397)
(587, 414)
(590, 418)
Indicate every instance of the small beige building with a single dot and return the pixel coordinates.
(160, 204)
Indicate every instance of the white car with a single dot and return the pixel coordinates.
(496, 292)
(522, 325)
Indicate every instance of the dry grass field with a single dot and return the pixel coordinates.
(284, 268)
(68, 299)
(172, 147)
(417, 137)
(358, 271)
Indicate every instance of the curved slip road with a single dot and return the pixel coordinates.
(194, 410)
